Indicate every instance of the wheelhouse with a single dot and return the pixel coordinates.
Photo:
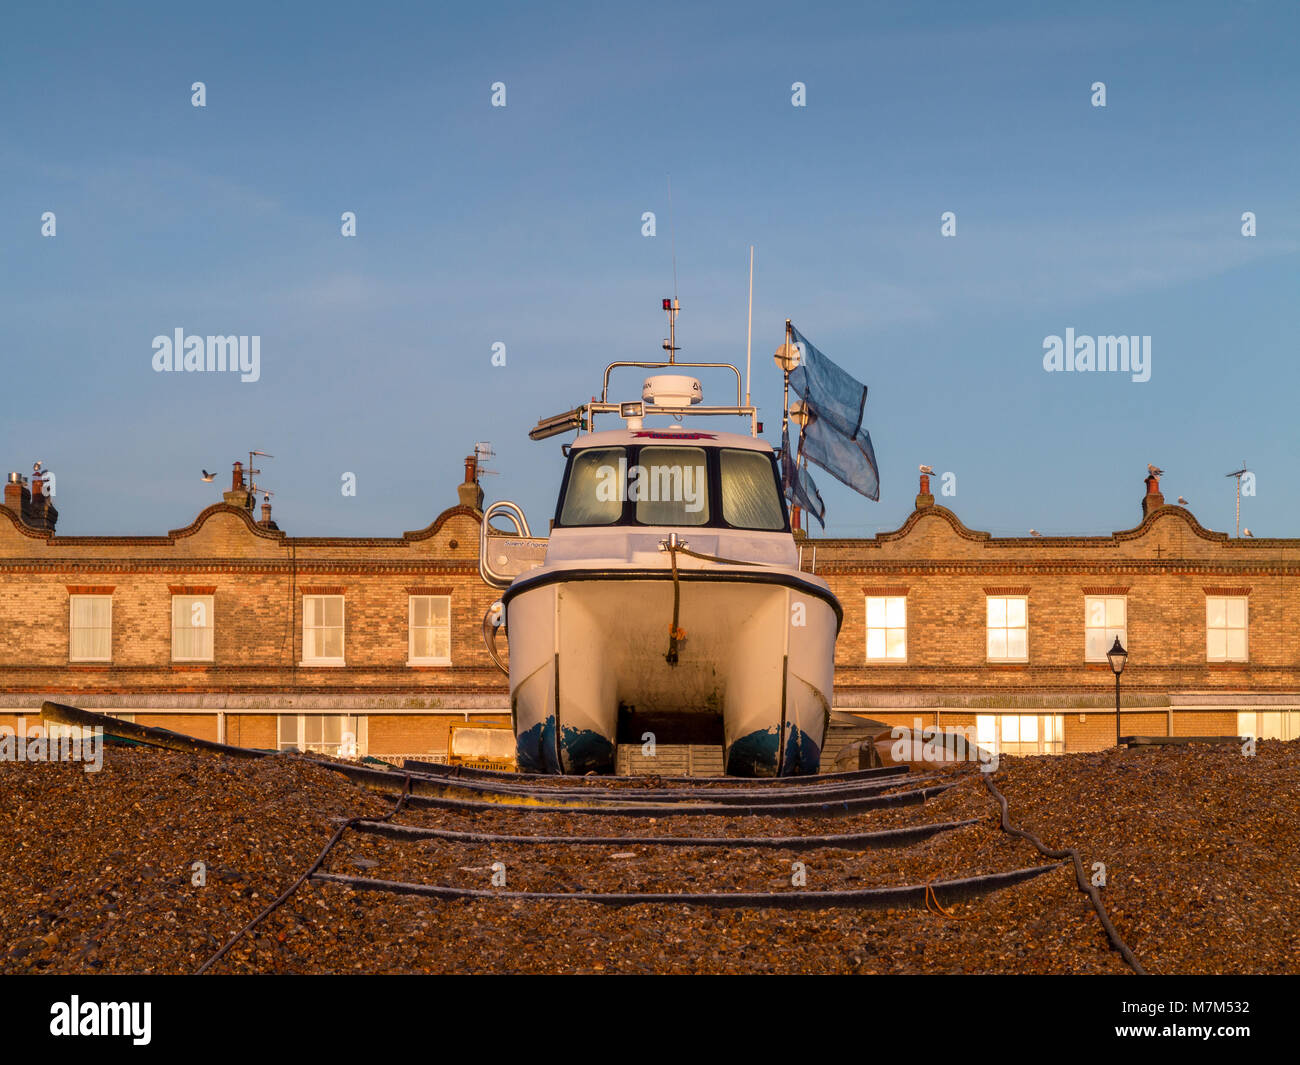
(669, 483)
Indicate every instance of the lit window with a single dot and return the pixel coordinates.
(430, 628)
(1269, 724)
(341, 735)
(1105, 618)
(1225, 628)
(886, 627)
(322, 629)
(1008, 628)
(192, 628)
(1021, 733)
(90, 628)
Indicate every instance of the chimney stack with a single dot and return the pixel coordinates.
(33, 506)
(471, 495)
(1153, 500)
(266, 522)
(239, 495)
(923, 497)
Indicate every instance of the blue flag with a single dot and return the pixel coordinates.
(798, 484)
(834, 437)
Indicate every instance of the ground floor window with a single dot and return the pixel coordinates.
(1269, 724)
(1021, 733)
(342, 735)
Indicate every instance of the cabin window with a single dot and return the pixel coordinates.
(90, 628)
(430, 630)
(192, 628)
(1225, 628)
(597, 487)
(1008, 628)
(669, 486)
(1105, 618)
(322, 630)
(750, 499)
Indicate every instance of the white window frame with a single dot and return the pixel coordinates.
(1048, 729)
(1245, 628)
(411, 658)
(1005, 628)
(212, 625)
(1109, 642)
(343, 633)
(1288, 722)
(361, 734)
(868, 628)
(71, 600)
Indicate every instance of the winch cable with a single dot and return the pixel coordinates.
(1116, 941)
(675, 634)
(311, 870)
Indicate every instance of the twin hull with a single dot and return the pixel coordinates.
(758, 652)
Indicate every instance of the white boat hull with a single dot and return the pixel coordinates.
(758, 653)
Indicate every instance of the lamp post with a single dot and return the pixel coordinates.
(1118, 658)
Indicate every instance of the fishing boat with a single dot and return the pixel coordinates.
(668, 603)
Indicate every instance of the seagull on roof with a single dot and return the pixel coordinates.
(1034, 532)
(927, 469)
(208, 476)
(1182, 502)
(1247, 532)
(1155, 471)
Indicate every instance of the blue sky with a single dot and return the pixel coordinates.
(522, 225)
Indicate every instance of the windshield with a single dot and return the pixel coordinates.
(672, 485)
(750, 499)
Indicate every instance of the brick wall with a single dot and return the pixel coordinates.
(1164, 567)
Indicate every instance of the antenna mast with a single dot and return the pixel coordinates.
(749, 329)
(1239, 474)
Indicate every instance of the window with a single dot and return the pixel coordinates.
(595, 491)
(192, 628)
(1021, 733)
(1105, 618)
(322, 629)
(670, 486)
(90, 628)
(887, 628)
(1225, 628)
(750, 497)
(1269, 724)
(342, 735)
(430, 627)
(1008, 628)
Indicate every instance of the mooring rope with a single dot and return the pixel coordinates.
(1116, 941)
(675, 633)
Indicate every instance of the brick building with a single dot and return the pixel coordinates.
(232, 630)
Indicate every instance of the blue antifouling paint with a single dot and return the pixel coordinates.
(754, 755)
(581, 750)
(585, 751)
(802, 755)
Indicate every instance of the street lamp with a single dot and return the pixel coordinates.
(1118, 658)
